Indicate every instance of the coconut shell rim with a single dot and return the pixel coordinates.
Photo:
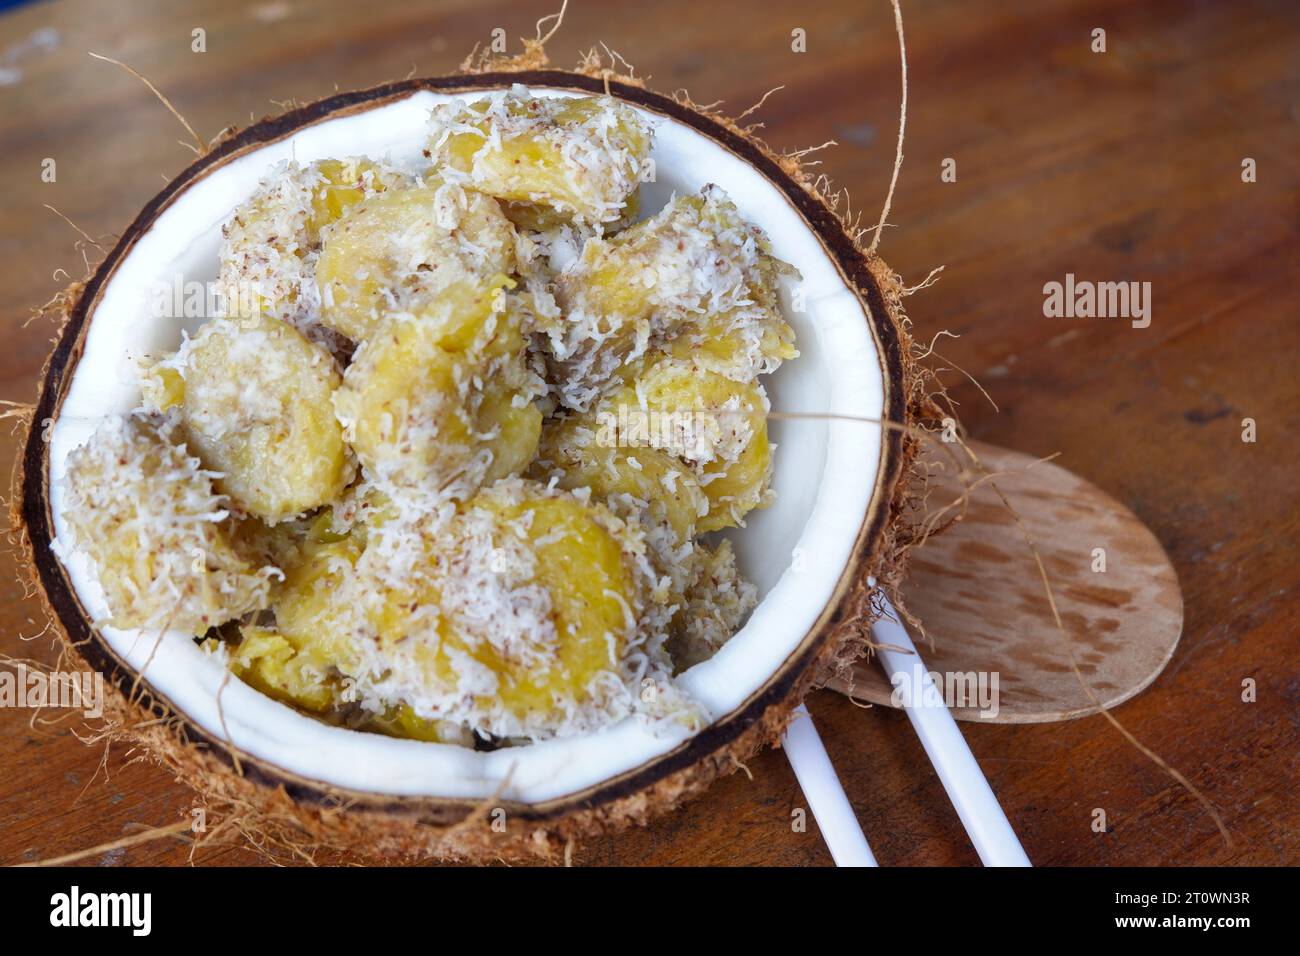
(621, 798)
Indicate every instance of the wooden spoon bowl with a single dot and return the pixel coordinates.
(978, 592)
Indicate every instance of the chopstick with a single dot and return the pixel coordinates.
(967, 788)
(976, 805)
(821, 785)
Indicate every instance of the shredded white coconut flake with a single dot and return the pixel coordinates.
(464, 579)
(145, 512)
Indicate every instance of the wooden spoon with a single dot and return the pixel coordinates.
(978, 592)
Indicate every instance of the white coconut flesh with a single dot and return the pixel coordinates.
(795, 552)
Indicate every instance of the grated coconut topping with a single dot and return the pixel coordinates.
(501, 564)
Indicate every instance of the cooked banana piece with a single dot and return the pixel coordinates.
(525, 615)
(397, 251)
(256, 402)
(717, 425)
(271, 243)
(696, 276)
(441, 400)
(551, 159)
(145, 512)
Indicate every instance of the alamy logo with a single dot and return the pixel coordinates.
(975, 690)
(183, 298)
(1102, 300)
(690, 432)
(77, 690)
(103, 909)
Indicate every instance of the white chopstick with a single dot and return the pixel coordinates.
(969, 791)
(821, 785)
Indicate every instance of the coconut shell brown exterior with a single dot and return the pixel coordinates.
(283, 813)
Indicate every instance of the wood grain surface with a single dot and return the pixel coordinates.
(1123, 165)
(977, 589)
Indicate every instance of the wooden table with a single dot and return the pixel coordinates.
(1123, 165)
